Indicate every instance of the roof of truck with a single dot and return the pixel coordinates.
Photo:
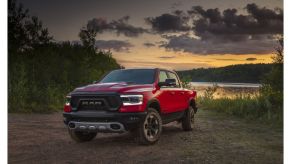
(147, 68)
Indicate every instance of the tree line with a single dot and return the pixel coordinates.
(243, 73)
(42, 71)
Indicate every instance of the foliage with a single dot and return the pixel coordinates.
(249, 107)
(247, 73)
(87, 37)
(40, 78)
(273, 82)
(40, 72)
(186, 82)
(266, 106)
(209, 92)
(25, 31)
(279, 54)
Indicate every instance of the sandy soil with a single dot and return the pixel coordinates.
(43, 138)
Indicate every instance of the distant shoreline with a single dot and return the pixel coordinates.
(225, 84)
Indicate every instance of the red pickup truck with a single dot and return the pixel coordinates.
(135, 100)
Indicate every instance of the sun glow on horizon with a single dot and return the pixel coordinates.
(159, 57)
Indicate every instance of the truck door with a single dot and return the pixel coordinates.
(166, 95)
(179, 96)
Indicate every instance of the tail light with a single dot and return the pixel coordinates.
(67, 107)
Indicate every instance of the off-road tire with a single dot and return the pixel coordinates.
(82, 136)
(150, 129)
(188, 119)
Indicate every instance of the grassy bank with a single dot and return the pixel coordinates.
(260, 107)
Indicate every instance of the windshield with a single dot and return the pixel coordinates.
(133, 76)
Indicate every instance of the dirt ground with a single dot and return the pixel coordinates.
(43, 138)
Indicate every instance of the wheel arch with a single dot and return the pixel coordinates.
(193, 104)
(154, 103)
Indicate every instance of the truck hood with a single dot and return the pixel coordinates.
(115, 87)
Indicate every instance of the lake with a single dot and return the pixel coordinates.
(229, 90)
(220, 84)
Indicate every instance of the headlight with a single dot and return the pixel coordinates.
(131, 99)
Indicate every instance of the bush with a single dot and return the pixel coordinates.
(267, 105)
(258, 107)
(41, 72)
(40, 78)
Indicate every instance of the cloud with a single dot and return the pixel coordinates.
(120, 26)
(228, 32)
(231, 26)
(147, 44)
(176, 5)
(167, 57)
(228, 59)
(189, 44)
(115, 45)
(251, 59)
(169, 22)
(167, 65)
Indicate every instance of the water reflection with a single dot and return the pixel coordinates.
(229, 90)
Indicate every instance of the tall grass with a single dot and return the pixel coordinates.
(255, 107)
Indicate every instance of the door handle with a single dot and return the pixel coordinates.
(182, 93)
(172, 93)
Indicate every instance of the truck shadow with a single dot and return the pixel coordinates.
(129, 138)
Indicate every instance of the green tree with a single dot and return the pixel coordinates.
(24, 31)
(40, 72)
(87, 36)
(272, 90)
(275, 79)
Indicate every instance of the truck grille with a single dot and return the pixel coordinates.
(95, 102)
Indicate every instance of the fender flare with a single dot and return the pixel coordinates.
(154, 101)
(192, 102)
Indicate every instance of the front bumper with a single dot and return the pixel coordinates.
(128, 121)
(114, 127)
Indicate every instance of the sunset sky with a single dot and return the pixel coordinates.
(174, 34)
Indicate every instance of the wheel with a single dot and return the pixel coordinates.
(82, 136)
(188, 119)
(150, 129)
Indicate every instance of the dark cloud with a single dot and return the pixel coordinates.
(251, 59)
(120, 26)
(228, 25)
(188, 44)
(167, 57)
(115, 45)
(147, 44)
(229, 32)
(169, 22)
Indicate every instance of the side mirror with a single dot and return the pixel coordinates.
(94, 82)
(171, 82)
(168, 82)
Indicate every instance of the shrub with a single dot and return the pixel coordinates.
(40, 78)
